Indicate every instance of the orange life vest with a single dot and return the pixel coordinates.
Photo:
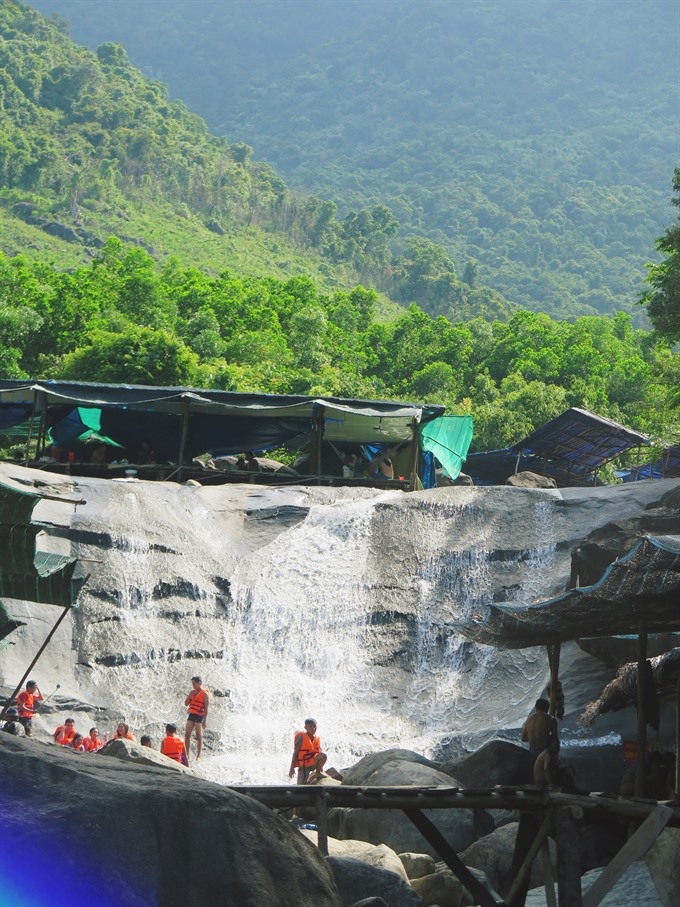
(128, 736)
(92, 746)
(26, 704)
(197, 702)
(172, 746)
(309, 749)
(64, 735)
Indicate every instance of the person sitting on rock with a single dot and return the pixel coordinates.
(549, 772)
(539, 726)
(93, 743)
(172, 745)
(77, 744)
(12, 725)
(307, 755)
(146, 741)
(65, 733)
(123, 732)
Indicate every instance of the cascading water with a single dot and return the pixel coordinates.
(334, 603)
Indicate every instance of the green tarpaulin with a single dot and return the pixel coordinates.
(448, 438)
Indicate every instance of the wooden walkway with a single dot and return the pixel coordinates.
(541, 812)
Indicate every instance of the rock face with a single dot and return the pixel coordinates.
(357, 881)
(340, 603)
(136, 835)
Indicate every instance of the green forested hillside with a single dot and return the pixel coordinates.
(535, 137)
(137, 247)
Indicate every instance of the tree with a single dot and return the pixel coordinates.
(663, 297)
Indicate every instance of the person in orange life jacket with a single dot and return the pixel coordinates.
(198, 702)
(172, 745)
(77, 744)
(307, 755)
(123, 732)
(65, 733)
(26, 701)
(92, 742)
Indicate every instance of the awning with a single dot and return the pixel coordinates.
(644, 583)
(570, 449)
(448, 438)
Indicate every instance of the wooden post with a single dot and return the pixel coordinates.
(554, 661)
(415, 452)
(183, 437)
(677, 739)
(548, 878)
(568, 858)
(525, 853)
(322, 821)
(30, 428)
(641, 710)
(317, 435)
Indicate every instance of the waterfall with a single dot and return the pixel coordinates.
(291, 603)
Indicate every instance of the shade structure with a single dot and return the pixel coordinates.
(570, 449)
(666, 467)
(218, 422)
(643, 584)
(26, 573)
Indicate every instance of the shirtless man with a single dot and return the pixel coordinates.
(197, 702)
(538, 727)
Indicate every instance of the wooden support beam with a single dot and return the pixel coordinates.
(322, 820)
(433, 836)
(641, 710)
(568, 858)
(526, 850)
(548, 877)
(634, 848)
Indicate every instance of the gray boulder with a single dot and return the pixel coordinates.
(497, 762)
(362, 772)
(493, 855)
(528, 479)
(357, 881)
(108, 825)
(460, 827)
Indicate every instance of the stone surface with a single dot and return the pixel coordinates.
(635, 888)
(442, 889)
(663, 860)
(459, 826)
(493, 854)
(131, 751)
(103, 825)
(528, 479)
(417, 865)
(374, 854)
(357, 880)
(497, 762)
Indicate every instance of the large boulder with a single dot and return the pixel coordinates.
(147, 835)
(493, 854)
(131, 751)
(375, 855)
(357, 880)
(528, 479)
(460, 827)
(497, 762)
(365, 768)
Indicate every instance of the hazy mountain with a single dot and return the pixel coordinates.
(537, 137)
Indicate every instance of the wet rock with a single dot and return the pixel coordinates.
(358, 881)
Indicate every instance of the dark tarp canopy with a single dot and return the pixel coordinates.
(27, 574)
(666, 467)
(219, 422)
(644, 583)
(570, 449)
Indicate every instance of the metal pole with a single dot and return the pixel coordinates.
(183, 438)
(30, 428)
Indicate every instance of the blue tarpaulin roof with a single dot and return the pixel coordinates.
(570, 449)
(666, 467)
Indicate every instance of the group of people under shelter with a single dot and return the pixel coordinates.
(19, 722)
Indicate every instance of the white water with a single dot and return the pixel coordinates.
(340, 616)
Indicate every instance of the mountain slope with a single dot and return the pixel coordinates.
(536, 137)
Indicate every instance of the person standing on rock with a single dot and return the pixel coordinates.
(307, 755)
(198, 702)
(26, 704)
(539, 726)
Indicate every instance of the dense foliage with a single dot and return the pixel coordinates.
(120, 319)
(663, 297)
(534, 137)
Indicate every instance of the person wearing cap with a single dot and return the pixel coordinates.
(12, 724)
(197, 702)
(26, 704)
(307, 755)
